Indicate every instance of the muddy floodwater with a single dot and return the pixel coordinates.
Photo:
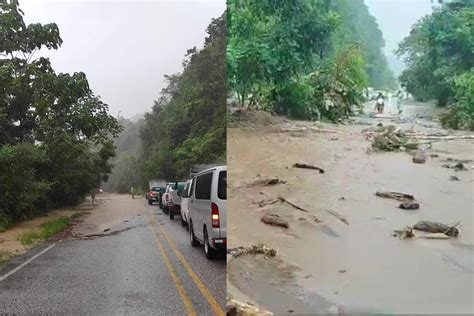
(350, 262)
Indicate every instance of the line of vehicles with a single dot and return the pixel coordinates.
(201, 204)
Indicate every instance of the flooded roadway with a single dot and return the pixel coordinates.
(331, 267)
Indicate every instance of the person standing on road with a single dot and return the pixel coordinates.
(379, 103)
(132, 192)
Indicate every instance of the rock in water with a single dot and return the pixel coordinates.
(419, 157)
(274, 220)
(409, 205)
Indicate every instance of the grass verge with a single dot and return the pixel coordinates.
(48, 229)
(5, 257)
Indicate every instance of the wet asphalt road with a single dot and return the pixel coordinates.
(124, 273)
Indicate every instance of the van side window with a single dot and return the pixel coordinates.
(203, 186)
(222, 186)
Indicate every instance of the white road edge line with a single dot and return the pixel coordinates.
(25, 263)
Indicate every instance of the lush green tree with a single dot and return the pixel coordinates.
(54, 118)
(440, 47)
(187, 124)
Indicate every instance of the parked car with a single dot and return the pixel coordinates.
(174, 201)
(207, 210)
(153, 195)
(184, 202)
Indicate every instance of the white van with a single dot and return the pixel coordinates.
(207, 210)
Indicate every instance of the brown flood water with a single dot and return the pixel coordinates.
(331, 267)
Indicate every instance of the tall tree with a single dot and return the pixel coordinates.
(54, 132)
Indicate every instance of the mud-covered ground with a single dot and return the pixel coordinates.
(326, 265)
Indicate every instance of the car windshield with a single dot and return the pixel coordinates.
(222, 186)
(178, 187)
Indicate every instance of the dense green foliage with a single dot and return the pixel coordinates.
(307, 59)
(461, 115)
(187, 124)
(439, 53)
(54, 132)
(359, 26)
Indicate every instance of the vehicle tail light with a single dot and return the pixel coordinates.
(215, 215)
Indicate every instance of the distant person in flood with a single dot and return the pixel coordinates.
(379, 103)
(399, 101)
(93, 198)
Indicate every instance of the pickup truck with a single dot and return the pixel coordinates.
(154, 195)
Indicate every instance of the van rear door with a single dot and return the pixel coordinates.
(220, 198)
(201, 203)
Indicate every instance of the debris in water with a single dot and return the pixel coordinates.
(268, 202)
(457, 167)
(409, 205)
(252, 250)
(435, 227)
(306, 166)
(292, 204)
(266, 182)
(236, 308)
(338, 216)
(395, 195)
(390, 138)
(342, 271)
(405, 233)
(274, 220)
(454, 178)
(106, 230)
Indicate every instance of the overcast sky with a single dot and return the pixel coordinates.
(124, 47)
(395, 18)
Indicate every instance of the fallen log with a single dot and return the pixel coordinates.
(435, 227)
(292, 204)
(338, 216)
(452, 137)
(395, 195)
(306, 166)
(265, 182)
(314, 129)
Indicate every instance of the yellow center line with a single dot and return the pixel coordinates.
(177, 282)
(204, 290)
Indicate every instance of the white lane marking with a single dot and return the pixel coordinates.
(25, 263)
